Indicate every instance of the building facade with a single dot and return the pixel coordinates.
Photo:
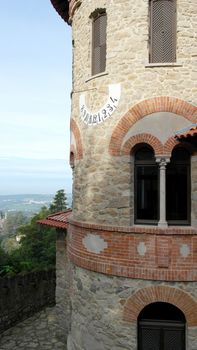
(132, 236)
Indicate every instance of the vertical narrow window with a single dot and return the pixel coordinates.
(99, 26)
(178, 193)
(162, 31)
(146, 186)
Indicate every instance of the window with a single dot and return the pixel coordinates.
(161, 326)
(178, 191)
(162, 192)
(162, 31)
(146, 186)
(99, 26)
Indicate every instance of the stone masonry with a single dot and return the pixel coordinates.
(127, 64)
(116, 266)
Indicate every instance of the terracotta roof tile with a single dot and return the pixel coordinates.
(58, 220)
(190, 132)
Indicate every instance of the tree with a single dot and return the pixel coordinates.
(59, 202)
(12, 222)
(37, 249)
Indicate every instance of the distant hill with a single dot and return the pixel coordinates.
(29, 203)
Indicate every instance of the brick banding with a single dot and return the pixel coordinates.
(171, 230)
(121, 255)
(144, 108)
(135, 304)
(76, 132)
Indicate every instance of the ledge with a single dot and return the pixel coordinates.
(165, 64)
(96, 76)
(141, 229)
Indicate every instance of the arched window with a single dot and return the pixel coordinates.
(99, 27)
(174, 196)
(162, 31)
(161, 326)
(178, 192)
(146, 186)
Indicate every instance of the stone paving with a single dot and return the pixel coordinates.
(39, 332)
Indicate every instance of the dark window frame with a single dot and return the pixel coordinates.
(139, 164)
(152, 35)
(175, 164)
(161, 324)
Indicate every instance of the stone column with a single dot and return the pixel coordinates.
(162, 190)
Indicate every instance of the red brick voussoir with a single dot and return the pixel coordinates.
(144, 108)
(76, 132)
(142, 138)
(135, 303)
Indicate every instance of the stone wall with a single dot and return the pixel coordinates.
(98, 303)
(23, 295)
(154, 101)
(63, 304)
(127, 65)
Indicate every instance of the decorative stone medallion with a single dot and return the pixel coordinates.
(94, 244)
(184, 250)
(141, 249)
(94, 118)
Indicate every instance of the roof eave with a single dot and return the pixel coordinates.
(62, 8)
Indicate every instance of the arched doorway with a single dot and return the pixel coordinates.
(161, 326)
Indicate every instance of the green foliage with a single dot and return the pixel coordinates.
(59, 202)
(36, 249)
(10, 244)
(12, 223)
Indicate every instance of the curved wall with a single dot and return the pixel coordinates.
(113, 258)
(105, 309)
(168, 88)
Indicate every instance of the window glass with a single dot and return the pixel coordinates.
(146, 186)
(178, 187)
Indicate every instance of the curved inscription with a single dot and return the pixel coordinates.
(94, 118)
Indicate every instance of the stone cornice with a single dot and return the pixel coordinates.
(66, 8)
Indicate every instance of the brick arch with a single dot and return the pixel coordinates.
(135, 304)
(172, 142)
(75, 129)
(142, 138)
(146, 107)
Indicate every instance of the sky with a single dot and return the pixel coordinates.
(35, 86)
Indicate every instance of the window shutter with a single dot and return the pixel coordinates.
(162, 31)
(99, 44)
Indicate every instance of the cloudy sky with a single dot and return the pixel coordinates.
(35, 85)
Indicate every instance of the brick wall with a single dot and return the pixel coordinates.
(135, 252)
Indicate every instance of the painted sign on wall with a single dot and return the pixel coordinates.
(94, 118)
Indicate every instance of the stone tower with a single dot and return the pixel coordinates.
(132, 237)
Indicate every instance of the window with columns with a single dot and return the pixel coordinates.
(162, 187)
